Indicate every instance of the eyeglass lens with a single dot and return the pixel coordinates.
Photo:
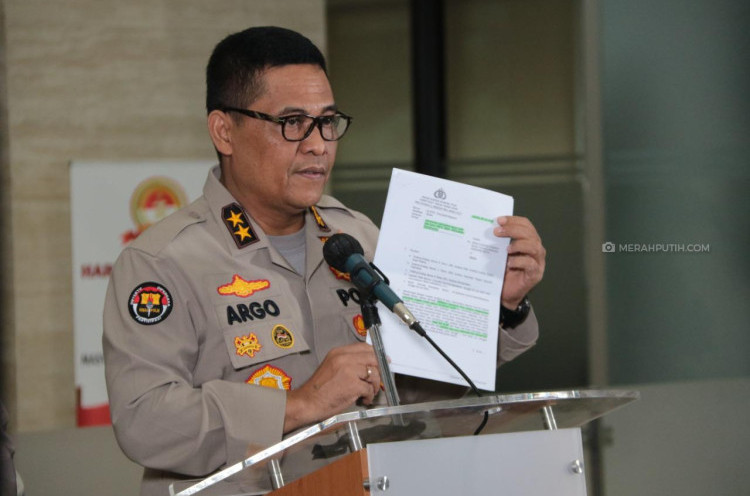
(332, 127)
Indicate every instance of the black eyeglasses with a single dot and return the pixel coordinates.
(298, 127)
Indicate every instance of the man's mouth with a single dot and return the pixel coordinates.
(313, 172)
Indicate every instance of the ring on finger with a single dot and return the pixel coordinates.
(369, 372)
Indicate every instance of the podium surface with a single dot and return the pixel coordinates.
(314, 447)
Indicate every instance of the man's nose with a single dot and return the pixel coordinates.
(314, 143)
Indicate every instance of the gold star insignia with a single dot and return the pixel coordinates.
(235, 218)
(243, 232)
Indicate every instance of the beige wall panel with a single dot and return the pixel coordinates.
(100, 79)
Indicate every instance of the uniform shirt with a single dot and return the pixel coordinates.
(206, 325)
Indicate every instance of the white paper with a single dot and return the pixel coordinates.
(438, 249)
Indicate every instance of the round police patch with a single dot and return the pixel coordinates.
(282, 336)
(150, 303)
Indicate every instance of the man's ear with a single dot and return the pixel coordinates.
(219, 126)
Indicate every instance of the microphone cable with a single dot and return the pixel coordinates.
(417, 327)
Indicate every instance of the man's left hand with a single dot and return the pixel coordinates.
(526, 255)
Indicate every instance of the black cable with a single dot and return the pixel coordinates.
(417, 327)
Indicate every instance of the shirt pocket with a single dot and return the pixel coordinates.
(263, 341)
(258, 318)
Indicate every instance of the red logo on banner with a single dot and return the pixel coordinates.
(152, 200)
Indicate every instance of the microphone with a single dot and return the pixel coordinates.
(344, 253)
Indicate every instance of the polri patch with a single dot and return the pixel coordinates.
(270, 376)
(282, 336)
(236, 221)
(150, 303)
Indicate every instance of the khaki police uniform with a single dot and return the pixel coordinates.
(206, 325)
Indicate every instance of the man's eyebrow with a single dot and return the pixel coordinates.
(298, 110)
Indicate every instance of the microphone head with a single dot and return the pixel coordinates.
(339, 248)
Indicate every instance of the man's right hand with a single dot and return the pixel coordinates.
(348, 373)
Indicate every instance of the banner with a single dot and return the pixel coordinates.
(111, 203)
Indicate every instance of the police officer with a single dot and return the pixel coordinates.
(223, 326)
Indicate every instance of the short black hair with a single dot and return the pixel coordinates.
(237, 62)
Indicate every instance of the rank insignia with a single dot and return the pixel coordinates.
(242, 288)
(282, 337)
(359, 325)
(237, 224)
(270, 376)
(150, 303)
(247, 345)
(344, 276)
(319, 220)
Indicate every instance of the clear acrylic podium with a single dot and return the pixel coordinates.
(531, 444)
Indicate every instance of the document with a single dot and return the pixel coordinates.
(438, 249)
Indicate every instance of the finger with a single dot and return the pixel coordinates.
(374, 378)
(515, 227)
(514, 221)
(523, 262)
(353, 349)
(366, 393)
(527, 247)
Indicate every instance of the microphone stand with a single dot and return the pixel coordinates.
(372, 324)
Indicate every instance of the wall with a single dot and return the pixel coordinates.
(93, 80)
(676, 132)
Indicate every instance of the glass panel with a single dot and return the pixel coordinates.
(676, 128)
(369, 66)
(510, 78)
(328, 440)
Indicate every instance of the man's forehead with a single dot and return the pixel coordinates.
(296, 87)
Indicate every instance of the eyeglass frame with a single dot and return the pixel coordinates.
(316, 121)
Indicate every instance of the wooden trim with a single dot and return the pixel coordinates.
(344, 477)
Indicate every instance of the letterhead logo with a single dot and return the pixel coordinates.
(440, 194)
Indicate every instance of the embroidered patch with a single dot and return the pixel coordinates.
(323, 239)
(237, 223)
(242, 288)
(150, 303)
(247, 345)
(359, 325)
(344, 276)
(270, 376)
(319, 220)
(282, 337)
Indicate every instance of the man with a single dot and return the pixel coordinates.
(223, 328)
